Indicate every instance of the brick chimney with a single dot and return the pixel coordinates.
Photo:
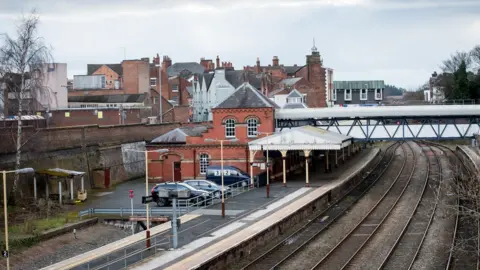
(167, 62)
(207, 64)
(275, 61)
(218, 62)
(257, 67)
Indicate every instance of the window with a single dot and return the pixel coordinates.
(363, 94)
(378, 94)
(174, 87)
(204, 162)
(348, 94)
(252, 127)
(334, 94)
(153, 81)
(230, 128)
(103, 81)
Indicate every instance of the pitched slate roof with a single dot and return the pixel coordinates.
(177, 68)
(235, 78)
(127, 98)
(91, 68)
(246, 96)
(292, 69)
(179, 135)
(294, 106)
(290, 81)
(358, 84)
(190, 90)
(294, 93)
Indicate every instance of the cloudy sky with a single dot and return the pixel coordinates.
(399, 41)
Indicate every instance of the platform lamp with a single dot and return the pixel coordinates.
(5, 213)
(221, 164)
(146, 186)
(267, 163)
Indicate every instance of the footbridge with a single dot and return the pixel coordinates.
(440, 122)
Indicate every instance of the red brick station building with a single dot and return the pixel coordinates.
(247, 116)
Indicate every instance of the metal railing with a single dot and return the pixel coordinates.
(136, 252)
(128, 211)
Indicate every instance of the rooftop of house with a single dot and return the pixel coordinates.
(177, 68)
(179, 135)
(378, 84)
(246, 96)
(294, 106)
(294, 94)
(126, 98)
(91, 68)
(234, 77)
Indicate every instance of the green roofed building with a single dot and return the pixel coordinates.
(357, 92)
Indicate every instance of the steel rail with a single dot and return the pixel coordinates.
(315, 219)
(336, 247)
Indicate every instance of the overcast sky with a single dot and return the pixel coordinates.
(399, 41)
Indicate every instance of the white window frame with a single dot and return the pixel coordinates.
(377, 92)
(154, 80)
(229, 129)
(176, 88)
(204, 163)
(363, 94)
(252, 128)
(349, 91)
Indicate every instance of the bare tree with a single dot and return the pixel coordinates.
(475, 54)
(451, 65)
(23, 66)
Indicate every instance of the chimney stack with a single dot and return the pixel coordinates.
(257, 67)
(218, 61)
(275, 61)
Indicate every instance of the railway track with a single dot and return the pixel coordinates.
(281, 252)
(466, 233)
(343, 253)
(408, 245)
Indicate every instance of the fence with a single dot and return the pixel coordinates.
(135, 252)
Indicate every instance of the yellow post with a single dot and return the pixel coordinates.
(5, 214)
(307, 154)
(284, 157)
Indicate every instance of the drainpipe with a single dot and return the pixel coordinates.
(246, 159)
(194, 163)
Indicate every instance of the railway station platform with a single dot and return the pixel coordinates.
(197, 249)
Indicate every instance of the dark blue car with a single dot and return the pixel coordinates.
(231, 175)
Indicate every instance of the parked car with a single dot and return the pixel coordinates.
(231, 175)
(209, 186)
(203, 196)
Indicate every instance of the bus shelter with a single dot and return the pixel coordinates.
(61, 175)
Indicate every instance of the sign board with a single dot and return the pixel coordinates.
(5, 253)
(100, 114)
(67, 114)
(131, 194)
(147, 199)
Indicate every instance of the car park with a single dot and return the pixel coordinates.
(209, 186)
(201, 196)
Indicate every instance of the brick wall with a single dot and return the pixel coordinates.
(52, 139)
(136, 77)
(91, 117)
(111, 76)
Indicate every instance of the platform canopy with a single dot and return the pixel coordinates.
(60, 172)
(302, 138)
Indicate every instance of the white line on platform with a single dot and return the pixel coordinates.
(217, 212)
(275, 205)
(173, 255)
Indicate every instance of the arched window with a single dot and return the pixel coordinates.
(252, 124)
(230, 128)
(204, 162)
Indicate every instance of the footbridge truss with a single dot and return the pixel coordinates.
(440, 122)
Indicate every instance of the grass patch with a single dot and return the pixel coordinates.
(38, 226)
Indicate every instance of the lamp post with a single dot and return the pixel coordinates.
(147, 207)
(267, 164)
(5, 213)
(221, 168)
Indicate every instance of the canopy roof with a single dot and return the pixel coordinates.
(60, 172)
(302, 138)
